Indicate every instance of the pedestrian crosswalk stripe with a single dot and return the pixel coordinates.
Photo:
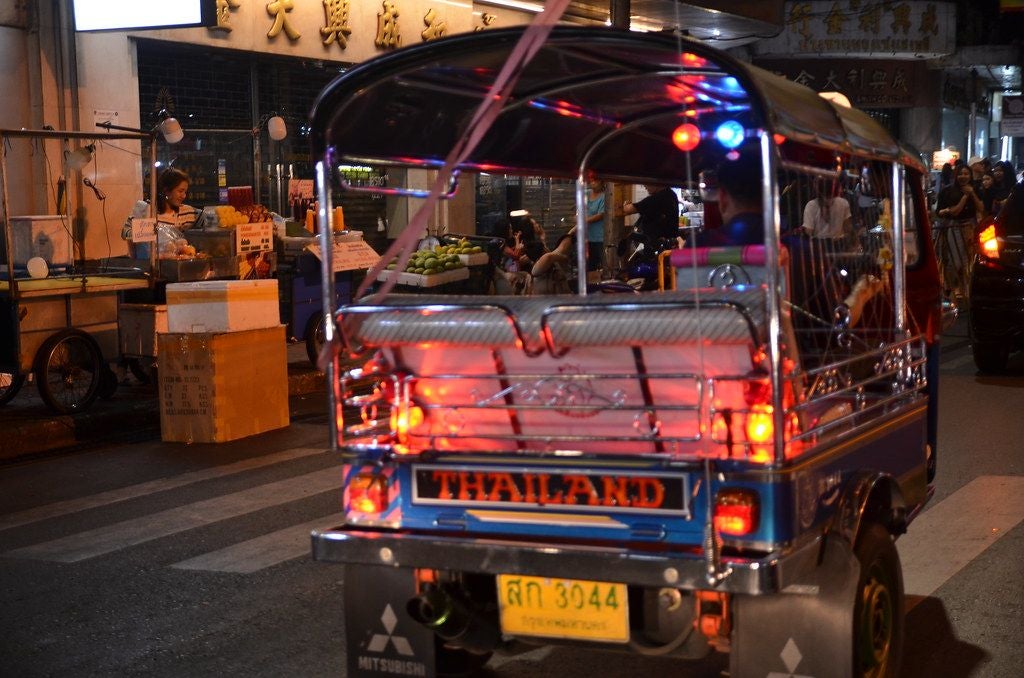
(99, 541)
(62, 508)
(263, 551)
(949, 535)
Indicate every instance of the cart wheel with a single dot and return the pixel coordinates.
(10, 384)
(878, 613)
(314, 337)
(68, 371)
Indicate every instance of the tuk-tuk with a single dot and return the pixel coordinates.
(719, 465)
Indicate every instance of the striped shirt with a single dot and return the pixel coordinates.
(186, 218)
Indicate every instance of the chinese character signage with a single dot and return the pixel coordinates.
(865, 28)
(867, 83)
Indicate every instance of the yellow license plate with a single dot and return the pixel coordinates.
(563, 608)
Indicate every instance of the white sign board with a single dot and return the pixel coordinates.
(143, 230)
(1012, 127)
(300, 188)
(349, 256)
(100, 115)
(255, 237)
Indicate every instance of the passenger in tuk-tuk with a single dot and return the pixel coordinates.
(739, 203)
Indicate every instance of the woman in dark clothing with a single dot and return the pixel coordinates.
(959, 208)
(960, 201)
(1002, 183)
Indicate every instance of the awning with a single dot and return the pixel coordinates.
(610, 97)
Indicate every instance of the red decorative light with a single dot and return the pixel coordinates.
(779, 139)
(686, 136)
(691, 60)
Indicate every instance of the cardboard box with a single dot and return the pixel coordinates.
(138, 326)
(46, 236)
(222, 306)
(216, 387)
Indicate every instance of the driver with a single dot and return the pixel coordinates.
(739, 202)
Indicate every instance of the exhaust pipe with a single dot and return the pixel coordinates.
(455, 621)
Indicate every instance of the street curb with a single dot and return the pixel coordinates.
(109, 422)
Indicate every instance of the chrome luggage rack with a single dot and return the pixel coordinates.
(662, 413)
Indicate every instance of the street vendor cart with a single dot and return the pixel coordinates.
(722, 465)
(62, 327)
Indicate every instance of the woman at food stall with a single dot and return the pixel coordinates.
(171, 210)
(171, 191)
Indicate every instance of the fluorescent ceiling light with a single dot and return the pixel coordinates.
(514, 4)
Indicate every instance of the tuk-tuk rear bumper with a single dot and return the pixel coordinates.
(778, 572)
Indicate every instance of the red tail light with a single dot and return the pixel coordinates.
(737, 511)
(368, 493)
(988, 242)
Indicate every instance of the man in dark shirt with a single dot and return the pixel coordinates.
(659, 212)
(739, 201)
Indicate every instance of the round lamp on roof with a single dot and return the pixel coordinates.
(277, 128)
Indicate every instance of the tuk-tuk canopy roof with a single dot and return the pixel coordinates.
(615, 95)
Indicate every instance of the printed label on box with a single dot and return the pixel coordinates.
(255, 237)
(186, 393)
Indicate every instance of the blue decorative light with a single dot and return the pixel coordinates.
(730, 134)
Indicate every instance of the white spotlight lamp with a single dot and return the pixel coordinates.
(171, 130)
(276, 127)
(79, 158)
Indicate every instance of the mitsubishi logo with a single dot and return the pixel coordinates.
(791, 657)
(379, 641)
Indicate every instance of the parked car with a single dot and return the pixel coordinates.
(997, 287)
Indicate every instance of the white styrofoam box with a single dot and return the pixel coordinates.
(420, 280)
(222, 306)
(47, 236)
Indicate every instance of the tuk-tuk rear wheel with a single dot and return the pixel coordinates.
(878, 612)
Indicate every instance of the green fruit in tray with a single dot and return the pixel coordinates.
(392, 267)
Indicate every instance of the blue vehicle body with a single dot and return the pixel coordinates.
(731, 463)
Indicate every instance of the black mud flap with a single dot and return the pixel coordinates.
(381, 639)
(805, 632)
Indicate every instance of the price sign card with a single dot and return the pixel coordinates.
(255, 237)
(144, 229)
(349, 255)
